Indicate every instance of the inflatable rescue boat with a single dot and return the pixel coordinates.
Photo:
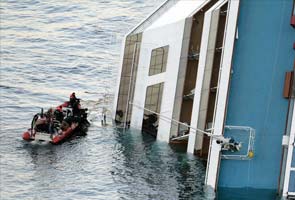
(60, 123)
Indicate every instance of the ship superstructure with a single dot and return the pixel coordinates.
(217, 76)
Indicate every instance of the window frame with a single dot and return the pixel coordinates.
(158, 60)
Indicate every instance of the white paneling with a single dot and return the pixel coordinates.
(152, 39)
(181, 76)
(203, 83)
(141, 26)
(222, 93)
(151, 18)
(118, 79)
(289, 155)
(179, 11)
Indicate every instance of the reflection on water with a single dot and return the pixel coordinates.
(152, 169)
(106, 164)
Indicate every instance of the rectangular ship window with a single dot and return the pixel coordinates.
(128, 78)
(158, 60)
(152, 103)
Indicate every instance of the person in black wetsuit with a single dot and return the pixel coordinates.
(75, 104)
(73, 98)
(58, 114)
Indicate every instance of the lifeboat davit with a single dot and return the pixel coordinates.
(58, 124)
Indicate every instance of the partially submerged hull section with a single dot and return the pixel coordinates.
(215, 87)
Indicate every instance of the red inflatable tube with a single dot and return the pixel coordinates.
(57, 139)
(27, 136)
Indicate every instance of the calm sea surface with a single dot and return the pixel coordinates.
(50, 49)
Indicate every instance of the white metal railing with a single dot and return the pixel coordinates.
(241, 155)
(290, 155)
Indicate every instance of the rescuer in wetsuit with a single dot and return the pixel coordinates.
(58, 114)
(75, 104)
(73, 118)
(73, 99)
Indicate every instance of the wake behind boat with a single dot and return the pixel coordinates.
(60, 123)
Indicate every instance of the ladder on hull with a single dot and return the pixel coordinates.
(289, 179)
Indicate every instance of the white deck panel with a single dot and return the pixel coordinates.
(43, 136)
(222, 93)
(179, 11)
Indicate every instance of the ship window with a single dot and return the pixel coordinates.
(158, 60)
(128, 78)
(152, 103)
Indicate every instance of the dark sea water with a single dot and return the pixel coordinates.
(48, 50)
